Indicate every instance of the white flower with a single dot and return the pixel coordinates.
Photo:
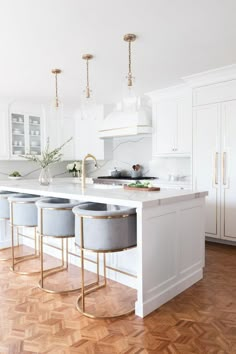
(70, 166)
(77, 165)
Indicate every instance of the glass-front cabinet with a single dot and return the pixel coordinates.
(25, 134)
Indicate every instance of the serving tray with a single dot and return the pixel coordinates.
(147, 189)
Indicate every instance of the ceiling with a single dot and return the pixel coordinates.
(175, 38)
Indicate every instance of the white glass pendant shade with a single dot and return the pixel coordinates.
(56, 119)
(129, 98)
(88, 105)
(56, 110)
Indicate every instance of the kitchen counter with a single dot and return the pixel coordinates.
(169, 256)
(102, 193)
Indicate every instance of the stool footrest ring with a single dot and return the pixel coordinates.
(55, 270)
(22, 259)
(91, 315)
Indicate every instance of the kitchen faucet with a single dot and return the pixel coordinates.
(83, 168)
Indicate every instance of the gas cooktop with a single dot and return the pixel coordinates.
(119, 180)
(126, 177)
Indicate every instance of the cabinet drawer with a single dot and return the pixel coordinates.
(223, 91)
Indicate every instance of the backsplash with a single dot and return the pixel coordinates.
(126, 152)
(171, 168)
(29, 169)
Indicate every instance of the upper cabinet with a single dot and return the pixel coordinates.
(25, 129)
(172, 121)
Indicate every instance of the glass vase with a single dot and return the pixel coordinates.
(45, 177)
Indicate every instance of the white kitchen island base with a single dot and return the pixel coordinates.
(171, 241)
(170, 235)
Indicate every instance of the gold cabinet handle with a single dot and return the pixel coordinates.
(216, 167)
(224, 168)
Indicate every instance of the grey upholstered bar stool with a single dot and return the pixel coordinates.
(56, 220)
(103, 228)
(23, 213)
(5, 215)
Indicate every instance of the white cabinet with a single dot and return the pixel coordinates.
(26, 129)
(172, 123)
(215, 165)
(228, 182)
(25, 134)
(86, 138)
(206, 127)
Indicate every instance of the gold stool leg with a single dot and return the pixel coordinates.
(5, 248)
(80, 303)
(41, 258)
(52, 271)
(12, 248)
(21, 259)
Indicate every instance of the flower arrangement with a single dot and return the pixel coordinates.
(75, 168)
(47, 157)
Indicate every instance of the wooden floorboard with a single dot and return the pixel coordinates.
(201, 320)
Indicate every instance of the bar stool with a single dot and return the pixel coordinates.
(23, 213)
(55, 220)
(5, 214)
(103, 228)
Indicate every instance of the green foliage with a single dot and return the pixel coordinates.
(47, 157)
(15, 174)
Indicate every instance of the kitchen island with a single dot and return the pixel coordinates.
(170, 234)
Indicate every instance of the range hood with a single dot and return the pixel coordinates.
(121, 123)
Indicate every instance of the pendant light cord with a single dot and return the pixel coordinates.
(130, 81)
(56, 86)
(87, 87)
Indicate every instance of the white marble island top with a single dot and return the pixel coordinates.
(105, 194)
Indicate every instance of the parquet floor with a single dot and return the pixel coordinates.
(200, 320)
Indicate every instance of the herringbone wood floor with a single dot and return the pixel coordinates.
(200, 320)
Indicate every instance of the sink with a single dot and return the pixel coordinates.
(105, 186)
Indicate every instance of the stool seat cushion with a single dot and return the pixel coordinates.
(24, 211)
(58, 219)
(116, 230)
(4, 204)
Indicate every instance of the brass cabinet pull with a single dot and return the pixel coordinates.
(224, 168)
(216, 167)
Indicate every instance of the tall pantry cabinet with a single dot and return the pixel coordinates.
(214, 155)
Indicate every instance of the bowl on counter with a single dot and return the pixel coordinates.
(14, 178)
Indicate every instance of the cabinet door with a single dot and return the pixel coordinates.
(228, 209)
(18, 133)
(4, 129)
(165, 125)
(184, 139)
(206, 167)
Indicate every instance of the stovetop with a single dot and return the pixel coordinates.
(126, 177)
(119, 180)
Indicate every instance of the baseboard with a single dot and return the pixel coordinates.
(5, 243)
(219, 240)
(161, 298)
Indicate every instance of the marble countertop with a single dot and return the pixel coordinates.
(105, 194)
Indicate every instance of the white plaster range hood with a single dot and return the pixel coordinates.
(121, 123)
